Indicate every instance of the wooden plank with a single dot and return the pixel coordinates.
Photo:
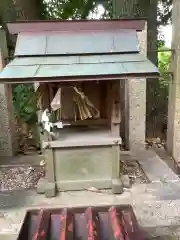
(63, 225)
(42, 225)
(99, 121)
(115, 109)
(70, 226)
(92, 234)
(117, 229)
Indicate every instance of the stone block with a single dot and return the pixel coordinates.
(126, 181)
(117, 186)
(50, 190)
(41, 186)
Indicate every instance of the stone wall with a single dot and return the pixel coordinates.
(7, 133)
(173, 131)
(133, 105)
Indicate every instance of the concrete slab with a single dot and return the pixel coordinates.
(150, 213)
(8, 236)
(154, 167)
(162, 233)
(156, 204)
(152, 203)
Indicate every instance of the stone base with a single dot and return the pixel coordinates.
(117, 186)
(47, 188)
(126, 181)
(50, 190)
(41, 186)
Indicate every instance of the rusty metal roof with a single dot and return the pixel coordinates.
(76, 25)
(77, 68)
(89, 223)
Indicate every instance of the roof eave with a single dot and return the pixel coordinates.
(75, 25)
(71, 80)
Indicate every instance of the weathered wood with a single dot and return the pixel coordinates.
(89, 122)
(44, 97)
(115, 108)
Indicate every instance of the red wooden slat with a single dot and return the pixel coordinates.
(116, 224)
(96, 223)
(92, 225)
(128, 224)
(70, 226)
(63, 224)
(42, 227)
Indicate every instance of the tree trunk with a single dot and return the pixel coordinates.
(154, 103)
(14, 10)
(17, 10)
(130, 8)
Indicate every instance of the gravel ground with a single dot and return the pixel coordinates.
(21, 177)
(134, 171)
(26, 177)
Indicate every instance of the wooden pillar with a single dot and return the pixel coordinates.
(116, 112)
(7, 129)
(173, 131)
(135, 105)
(117, 186)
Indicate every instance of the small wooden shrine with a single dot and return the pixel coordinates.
(77, 67)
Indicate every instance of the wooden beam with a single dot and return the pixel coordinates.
(115, 110)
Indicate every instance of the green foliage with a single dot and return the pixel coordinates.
(160, 97)
(164, 59)
(165, 12)
(25, 106)
(68, 9)
(80, 9)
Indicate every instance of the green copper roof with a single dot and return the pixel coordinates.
(80, 55)
(81, 42)
(76, 68)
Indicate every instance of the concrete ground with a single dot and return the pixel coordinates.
(157, 204)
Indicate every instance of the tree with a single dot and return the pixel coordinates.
(165, 12)
(68, 9)
(11, 11)
(15, 10)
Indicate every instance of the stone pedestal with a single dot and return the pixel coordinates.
(173, 131)
(7, 133)
(135, 105)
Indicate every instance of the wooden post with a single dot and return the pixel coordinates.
(116, 111)
(117, 187)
